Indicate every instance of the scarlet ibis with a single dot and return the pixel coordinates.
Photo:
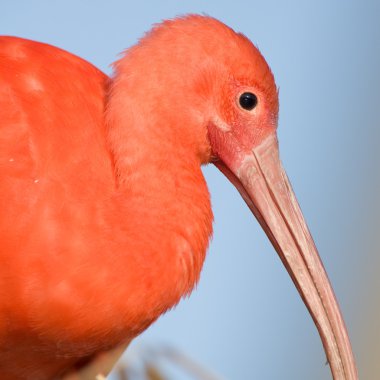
(105, 213)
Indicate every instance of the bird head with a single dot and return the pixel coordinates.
(216, 88)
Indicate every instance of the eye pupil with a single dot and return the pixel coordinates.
(248, 101)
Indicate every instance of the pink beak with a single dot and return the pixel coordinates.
(262, 182)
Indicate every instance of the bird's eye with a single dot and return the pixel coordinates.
(248, 101)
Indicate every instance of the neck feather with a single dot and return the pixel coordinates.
(162, 195)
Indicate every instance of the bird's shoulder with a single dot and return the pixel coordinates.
(54, 158)
(51, 113)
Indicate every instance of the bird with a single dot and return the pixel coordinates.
(105, 214)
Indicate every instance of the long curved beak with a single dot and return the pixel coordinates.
(263, 184)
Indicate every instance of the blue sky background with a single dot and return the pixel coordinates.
(246, 320)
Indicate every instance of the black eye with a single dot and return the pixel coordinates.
(248, 101)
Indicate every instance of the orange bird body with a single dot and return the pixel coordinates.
(105, 214)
